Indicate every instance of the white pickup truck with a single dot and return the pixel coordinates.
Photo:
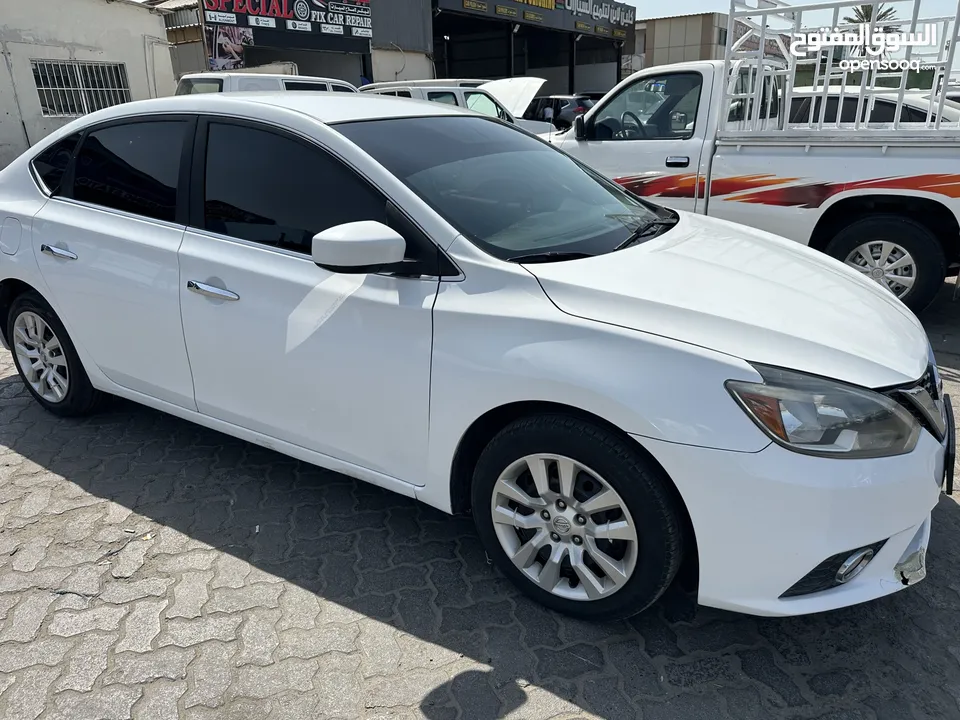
(876, 185)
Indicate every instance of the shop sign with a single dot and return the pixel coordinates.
(350, 18)
(603, 18)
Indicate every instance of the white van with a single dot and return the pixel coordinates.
(503, 99)
(213, 82)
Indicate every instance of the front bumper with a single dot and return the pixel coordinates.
(764, 520)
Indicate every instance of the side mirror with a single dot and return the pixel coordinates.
(580, 128)
(358, 247)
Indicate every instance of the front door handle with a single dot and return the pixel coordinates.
(678, 161)
(57, 252)
(211, 291)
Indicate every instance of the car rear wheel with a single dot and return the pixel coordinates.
(577, 517)
(46, 358)
(896, 252)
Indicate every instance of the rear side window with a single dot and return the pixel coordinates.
(403, 93)
(306, 86)
(51, 164)
(342, 88)
(196, 87)
(134, 168)
(447, 98)
(258, 84)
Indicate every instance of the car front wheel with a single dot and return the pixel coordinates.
(577, 517)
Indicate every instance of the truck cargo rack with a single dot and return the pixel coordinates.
(769, 41)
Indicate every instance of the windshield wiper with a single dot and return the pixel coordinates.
(644, 231)
(551, 256)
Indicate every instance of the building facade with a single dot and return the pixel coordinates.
(61, 65)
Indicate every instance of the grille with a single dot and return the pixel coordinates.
(909, 400)
(824, 575)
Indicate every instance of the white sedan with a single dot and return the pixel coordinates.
(444, 306)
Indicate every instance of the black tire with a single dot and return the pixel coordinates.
(81, 398)
(913, 237)
(639, 482)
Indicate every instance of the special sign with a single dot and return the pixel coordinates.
(347, 17)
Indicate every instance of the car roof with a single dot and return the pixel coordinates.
(325, 107)
(269, 76)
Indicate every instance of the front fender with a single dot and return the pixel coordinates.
(497, 348)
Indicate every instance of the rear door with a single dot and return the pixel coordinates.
(653, 148)
(106, 244)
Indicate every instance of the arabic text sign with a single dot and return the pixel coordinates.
(604, 18)
(877, 43)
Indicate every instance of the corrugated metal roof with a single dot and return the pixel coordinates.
(177, 4)
(678, 15)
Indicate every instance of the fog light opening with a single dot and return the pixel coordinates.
(854, 565)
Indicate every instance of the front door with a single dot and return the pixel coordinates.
(106, 244)
(649, 137)
(335, 363)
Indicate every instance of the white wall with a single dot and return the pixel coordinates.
(587, 78)
(116, 32)
(391, 65)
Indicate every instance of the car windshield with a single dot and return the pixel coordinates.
(505, 190)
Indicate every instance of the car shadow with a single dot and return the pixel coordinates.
(425, 573)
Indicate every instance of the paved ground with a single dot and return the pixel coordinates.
(152, 569)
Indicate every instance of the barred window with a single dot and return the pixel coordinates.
(72, 89)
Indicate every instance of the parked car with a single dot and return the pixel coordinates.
(436, 82)
(515, 93)
(565, 108)
(214, 82)
(592, 95)
(624, 396)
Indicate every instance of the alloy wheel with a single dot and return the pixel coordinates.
(564, 527)
(885, 263)
(41, 357)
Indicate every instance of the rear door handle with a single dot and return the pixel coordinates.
(678, 161)
(211, 291)
(57, 252)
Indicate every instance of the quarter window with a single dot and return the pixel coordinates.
(266, 188)
(306, 86)
(51, 164)
(133, 167)
(342, 88)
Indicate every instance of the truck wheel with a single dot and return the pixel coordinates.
(899, 254)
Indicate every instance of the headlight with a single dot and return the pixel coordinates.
(822, 417)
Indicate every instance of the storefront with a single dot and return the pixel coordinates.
(576, 45)
(323, 37)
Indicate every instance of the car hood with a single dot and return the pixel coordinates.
(749, 294)
(515, 94)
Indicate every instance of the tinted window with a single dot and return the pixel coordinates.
(257, 84)
(448, 98)
(132, 167)
(52, 163)
(342, 88)
(299, 190)
(195, 87)
(403, 93)
(306, 86)
(505, 190)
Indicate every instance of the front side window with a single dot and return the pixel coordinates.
(300, 190)
(447, 98)
(51, 165)
(483, 104)
(505, 190)
(134, 168)
(657, 108)
(199, 87)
